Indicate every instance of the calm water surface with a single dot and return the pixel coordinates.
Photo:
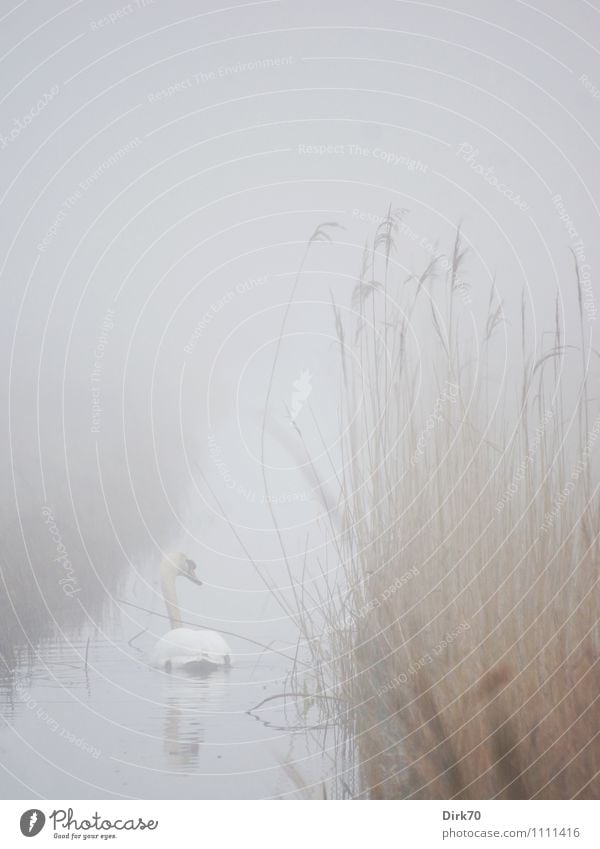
(120, 729)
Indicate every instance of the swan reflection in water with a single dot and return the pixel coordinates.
(188, 699)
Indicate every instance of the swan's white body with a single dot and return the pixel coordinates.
(185, 647)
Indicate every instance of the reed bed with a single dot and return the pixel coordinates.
(455, 648)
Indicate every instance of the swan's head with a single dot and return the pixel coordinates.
(176, 565)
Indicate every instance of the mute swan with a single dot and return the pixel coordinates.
(185, 647)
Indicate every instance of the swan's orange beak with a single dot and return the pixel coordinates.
(191, 573)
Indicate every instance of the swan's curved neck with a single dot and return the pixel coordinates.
(170, 596)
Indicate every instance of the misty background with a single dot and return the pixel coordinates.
(164, 166)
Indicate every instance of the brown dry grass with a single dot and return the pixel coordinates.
(505, 708)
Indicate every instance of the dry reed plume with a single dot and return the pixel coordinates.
(461, 639)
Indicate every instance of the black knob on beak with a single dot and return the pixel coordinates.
(192, 573)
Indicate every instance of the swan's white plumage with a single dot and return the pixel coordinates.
(182, 647)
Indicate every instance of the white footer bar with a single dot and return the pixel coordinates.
(300, 825)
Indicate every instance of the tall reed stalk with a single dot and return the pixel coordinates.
(459, 637)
